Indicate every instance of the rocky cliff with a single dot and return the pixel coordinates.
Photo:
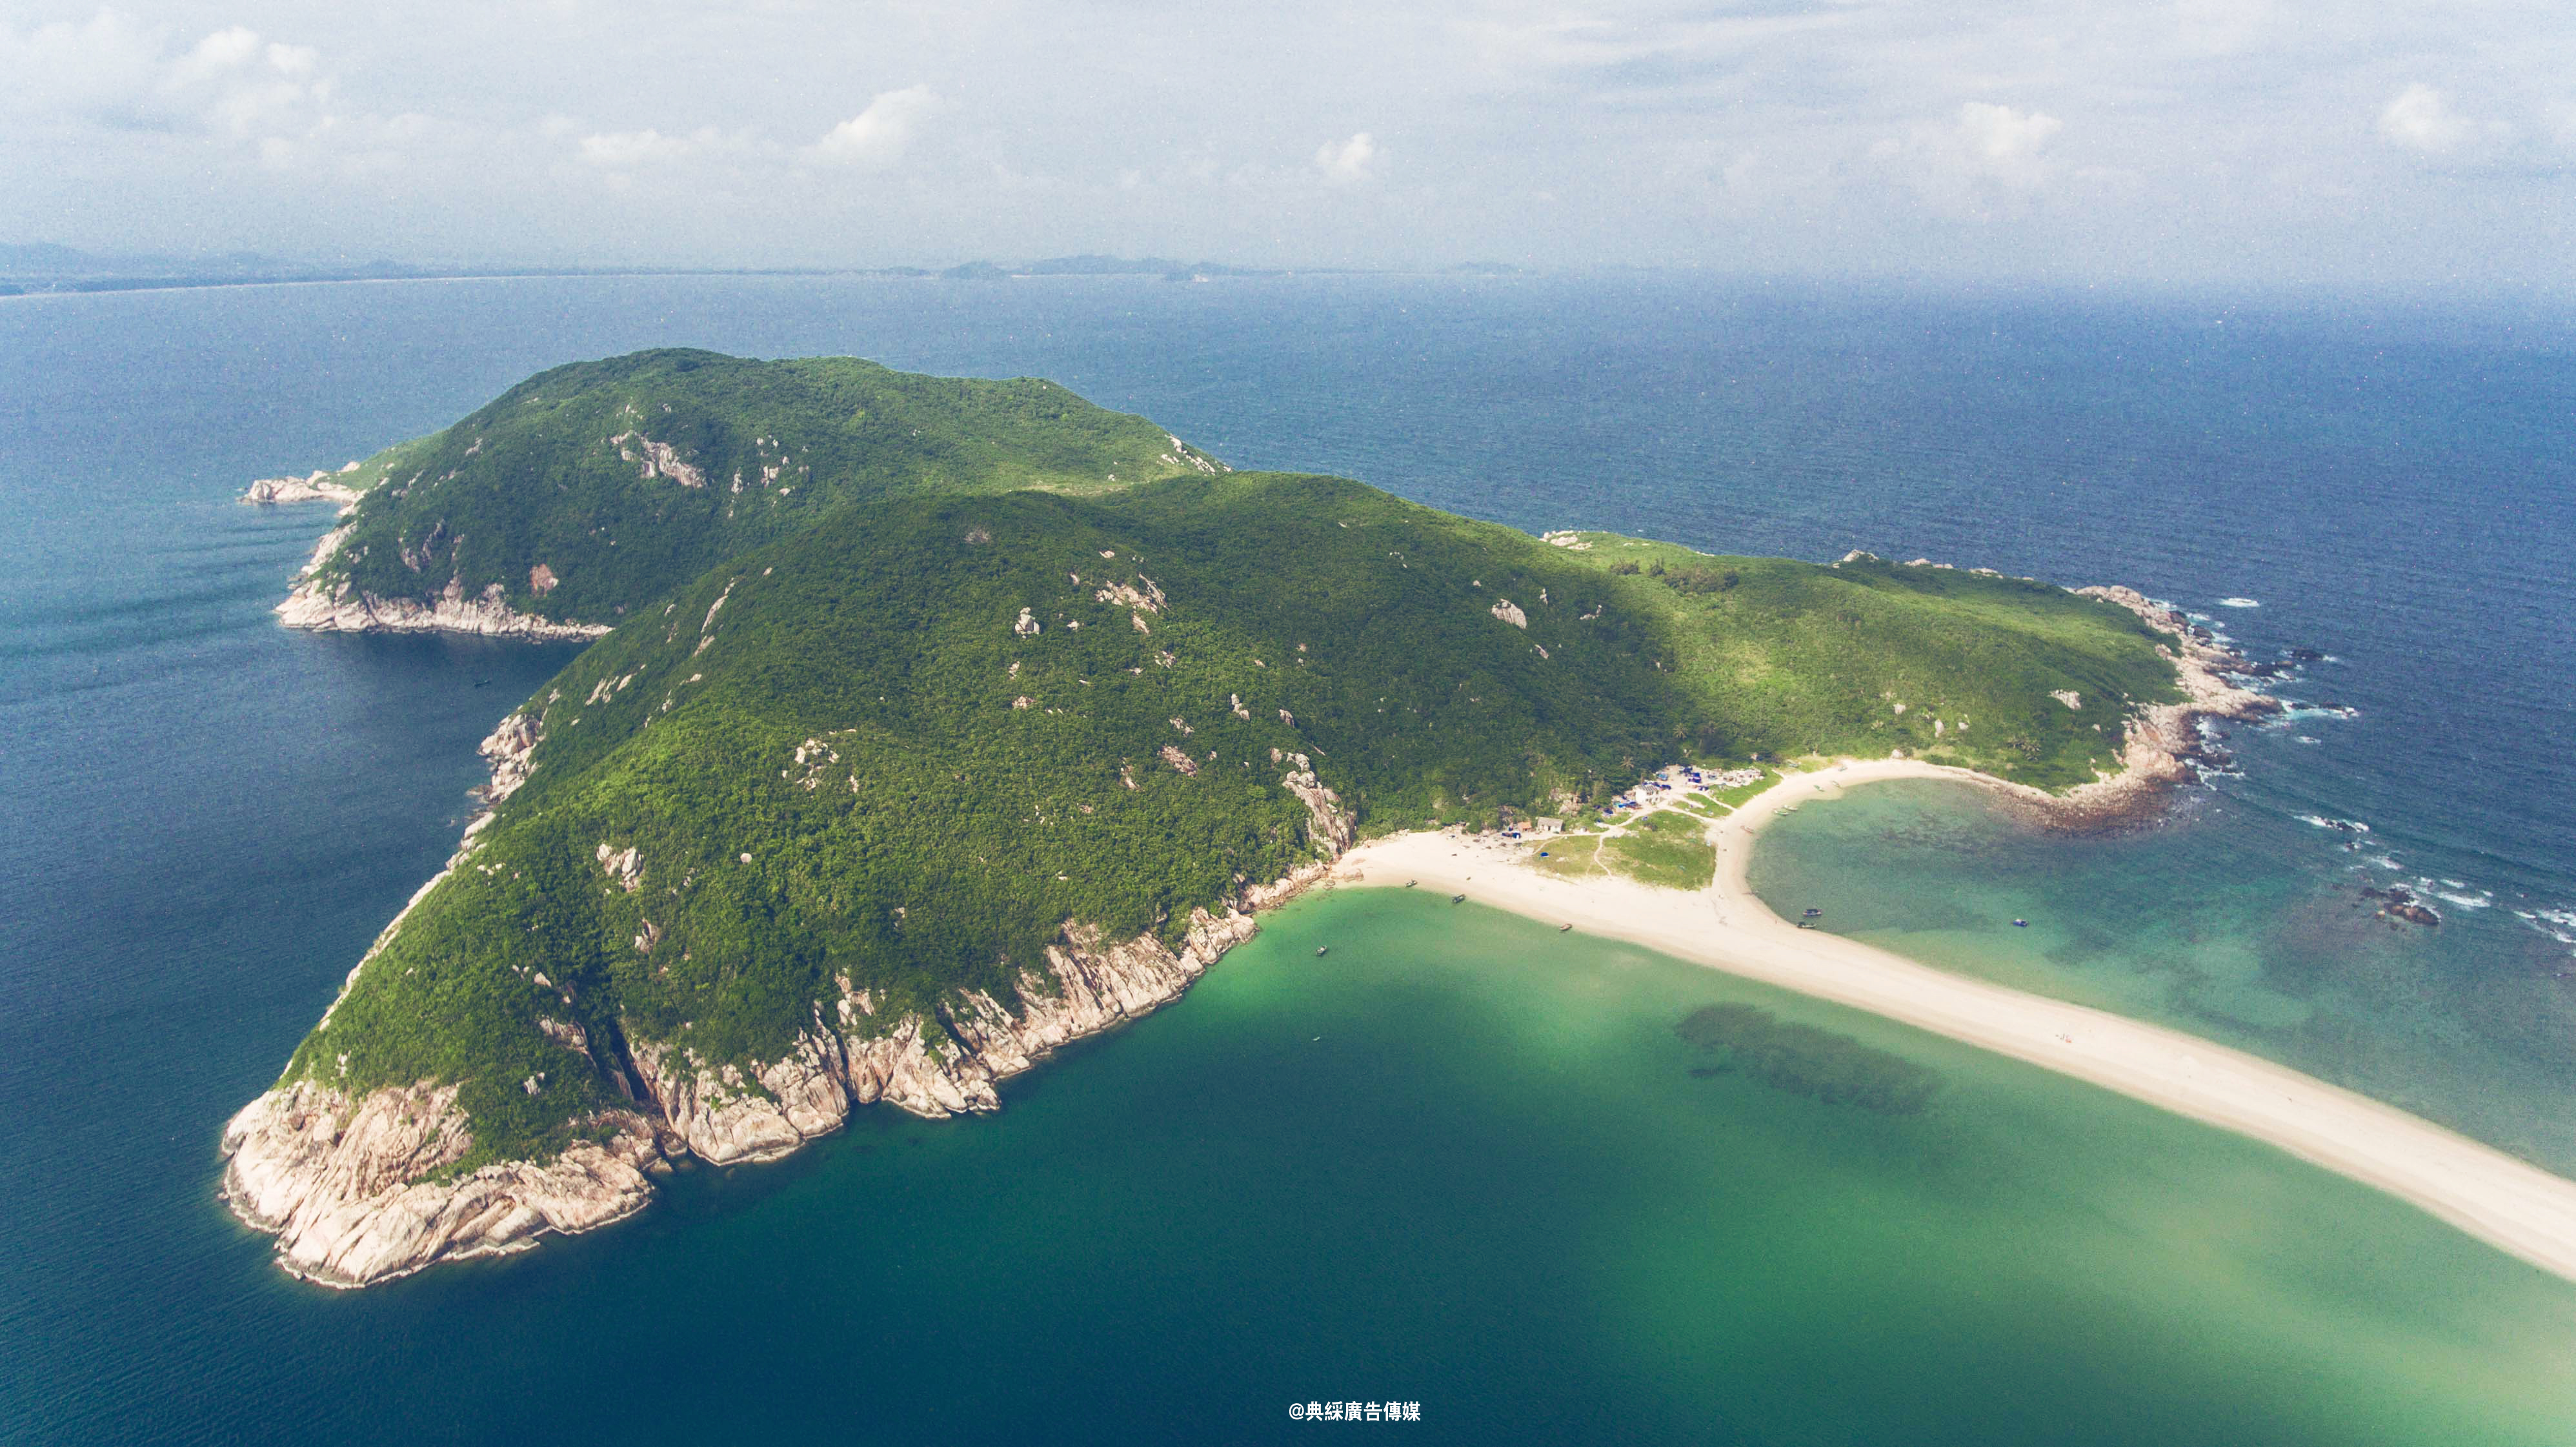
(339, 608)
(319, 487)
(354, 1190)
(2163, 744)
(932, 1067)
(362, 1191)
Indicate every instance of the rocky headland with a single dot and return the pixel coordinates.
(2162, 745)
(2165, 743)
(317, 487)
(321, 605)
(359, 1191)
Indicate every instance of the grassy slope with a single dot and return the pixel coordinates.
(939, 836)
(1666, 848)
(534, 477)
(1799, 660)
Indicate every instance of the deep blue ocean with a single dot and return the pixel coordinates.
(204, 819)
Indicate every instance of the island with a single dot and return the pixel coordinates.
(933, 724)
(596, 488)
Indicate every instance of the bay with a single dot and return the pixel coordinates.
(1492, 1185)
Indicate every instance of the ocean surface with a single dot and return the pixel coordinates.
(1461, 1161)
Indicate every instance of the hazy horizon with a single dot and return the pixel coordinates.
(2162, 143)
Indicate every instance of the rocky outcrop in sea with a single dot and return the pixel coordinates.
(2164, 743)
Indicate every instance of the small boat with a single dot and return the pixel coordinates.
(2021, 924)
(1457, 899)
(1411, 882)
(1814, 913)
(1560, 929)
(1320, 950)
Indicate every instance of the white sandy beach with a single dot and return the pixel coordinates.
(2514, 1205)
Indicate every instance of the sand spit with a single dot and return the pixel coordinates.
(2495, 1197)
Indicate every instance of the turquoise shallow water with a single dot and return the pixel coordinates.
(1493, 1184)
(2230, 917)
(1461, 1161)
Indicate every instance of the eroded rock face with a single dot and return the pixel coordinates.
(340, 1182)
(2162, 742)
(342, 1185)
(935, 1068)
(723, 1119)
(660, 459)
(511, 750)
(1329, 824)
(317, 488)
(349, 1186)
(346, 610)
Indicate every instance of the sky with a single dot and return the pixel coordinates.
(2170, 142)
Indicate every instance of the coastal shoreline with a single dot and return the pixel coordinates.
(354, 1190)
(2162, 744)
(307, 606)
(351, 1188)
(2502, 1200)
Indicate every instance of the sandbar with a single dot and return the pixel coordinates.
(2496, 1197)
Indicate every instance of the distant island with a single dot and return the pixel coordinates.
(934, 723)
(41, 268)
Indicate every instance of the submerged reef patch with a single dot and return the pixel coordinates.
(1804, 1060)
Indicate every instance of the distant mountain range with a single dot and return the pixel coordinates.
(44, 266)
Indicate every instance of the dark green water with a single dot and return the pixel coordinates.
(1463, 1161)
(1492, 1185)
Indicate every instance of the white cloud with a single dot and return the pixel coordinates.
(225, 50)
(97, 71)
(2420, 120)
(115, 72)
(2004, 138)
(293, 59)
(878, 136)
(1347, 162)
(1987, 159)
(2173, 137)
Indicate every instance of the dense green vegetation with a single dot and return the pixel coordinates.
(908, 739)
(1865, 656)
(626, 478)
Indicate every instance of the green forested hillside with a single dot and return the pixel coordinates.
(908, 744)
(2025, 680)
(592, 489)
